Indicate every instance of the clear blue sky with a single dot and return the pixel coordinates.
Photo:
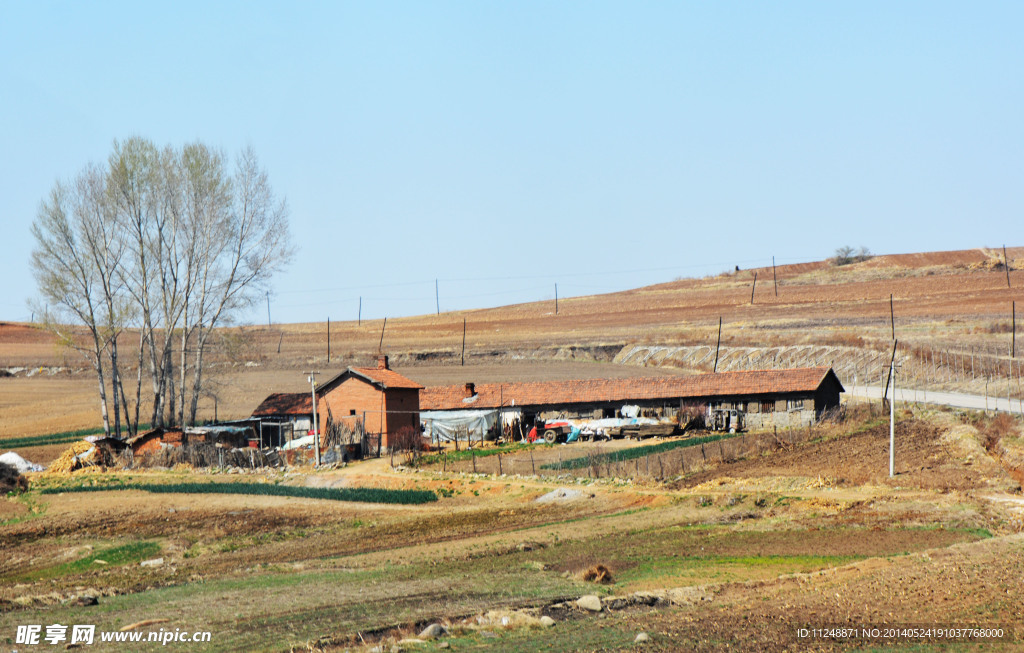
(503, 147)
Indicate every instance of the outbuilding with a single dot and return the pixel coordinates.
(768, 397)
(374, 400)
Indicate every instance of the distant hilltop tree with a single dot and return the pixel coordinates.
(166, 244)
(847, 255)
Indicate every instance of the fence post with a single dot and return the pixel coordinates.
(474, 462)
(499, 464)
(532, 465)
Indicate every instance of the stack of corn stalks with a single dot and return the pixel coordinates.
(78, 455)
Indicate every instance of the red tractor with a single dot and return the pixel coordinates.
(550, 431)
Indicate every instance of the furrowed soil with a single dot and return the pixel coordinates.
(767, 550)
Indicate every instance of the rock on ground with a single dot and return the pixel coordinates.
(590, 602)
(433, 631)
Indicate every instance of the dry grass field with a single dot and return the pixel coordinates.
(741, 544)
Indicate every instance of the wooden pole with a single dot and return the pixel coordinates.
(892, 317)
(380, 347)
(328, 340)
(719, 345)
(1013, 329)
(892, 361)
(752, 288)
(775, 279)
(463, 342)
(1006, 264)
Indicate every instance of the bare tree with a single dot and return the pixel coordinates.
(167, 241)
(76, 263)
(241, 248)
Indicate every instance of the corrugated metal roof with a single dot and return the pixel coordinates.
(545, 393)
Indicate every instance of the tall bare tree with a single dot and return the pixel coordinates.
(169, 242)
(76, 263)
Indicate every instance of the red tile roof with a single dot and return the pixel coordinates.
(285, 403)
(385, 378)
(722, 384)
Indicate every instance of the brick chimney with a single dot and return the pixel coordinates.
(382, 362)
(470, 390)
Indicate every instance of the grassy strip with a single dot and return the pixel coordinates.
(54, 438)
(466, 454)
(119, 555)
(636, 452)
(364, 495)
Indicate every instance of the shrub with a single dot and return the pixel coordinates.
(1002, 425)
(846, 255)
(408, 438)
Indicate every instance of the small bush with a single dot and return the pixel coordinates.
(598, 574)
(408, 438)
(846, 255)
(1002, 425)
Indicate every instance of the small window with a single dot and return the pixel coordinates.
(796, 404)
(352, 411)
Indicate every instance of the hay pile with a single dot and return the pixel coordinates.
(598, 574)
(78, 455)
(11, 480)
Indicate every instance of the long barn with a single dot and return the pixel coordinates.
(768, 397)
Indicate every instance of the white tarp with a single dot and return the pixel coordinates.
(448, 425)
(19, 463)
(306, 440)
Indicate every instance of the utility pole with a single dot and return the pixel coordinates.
(1006, 264)
(328, 341)
(316, 426)
(892, 421)
(360, 312)
(463, 341)
(556, 299)
(718, 346)
(775, 278)
(437, 297)
(753, 288)
(892, 317)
